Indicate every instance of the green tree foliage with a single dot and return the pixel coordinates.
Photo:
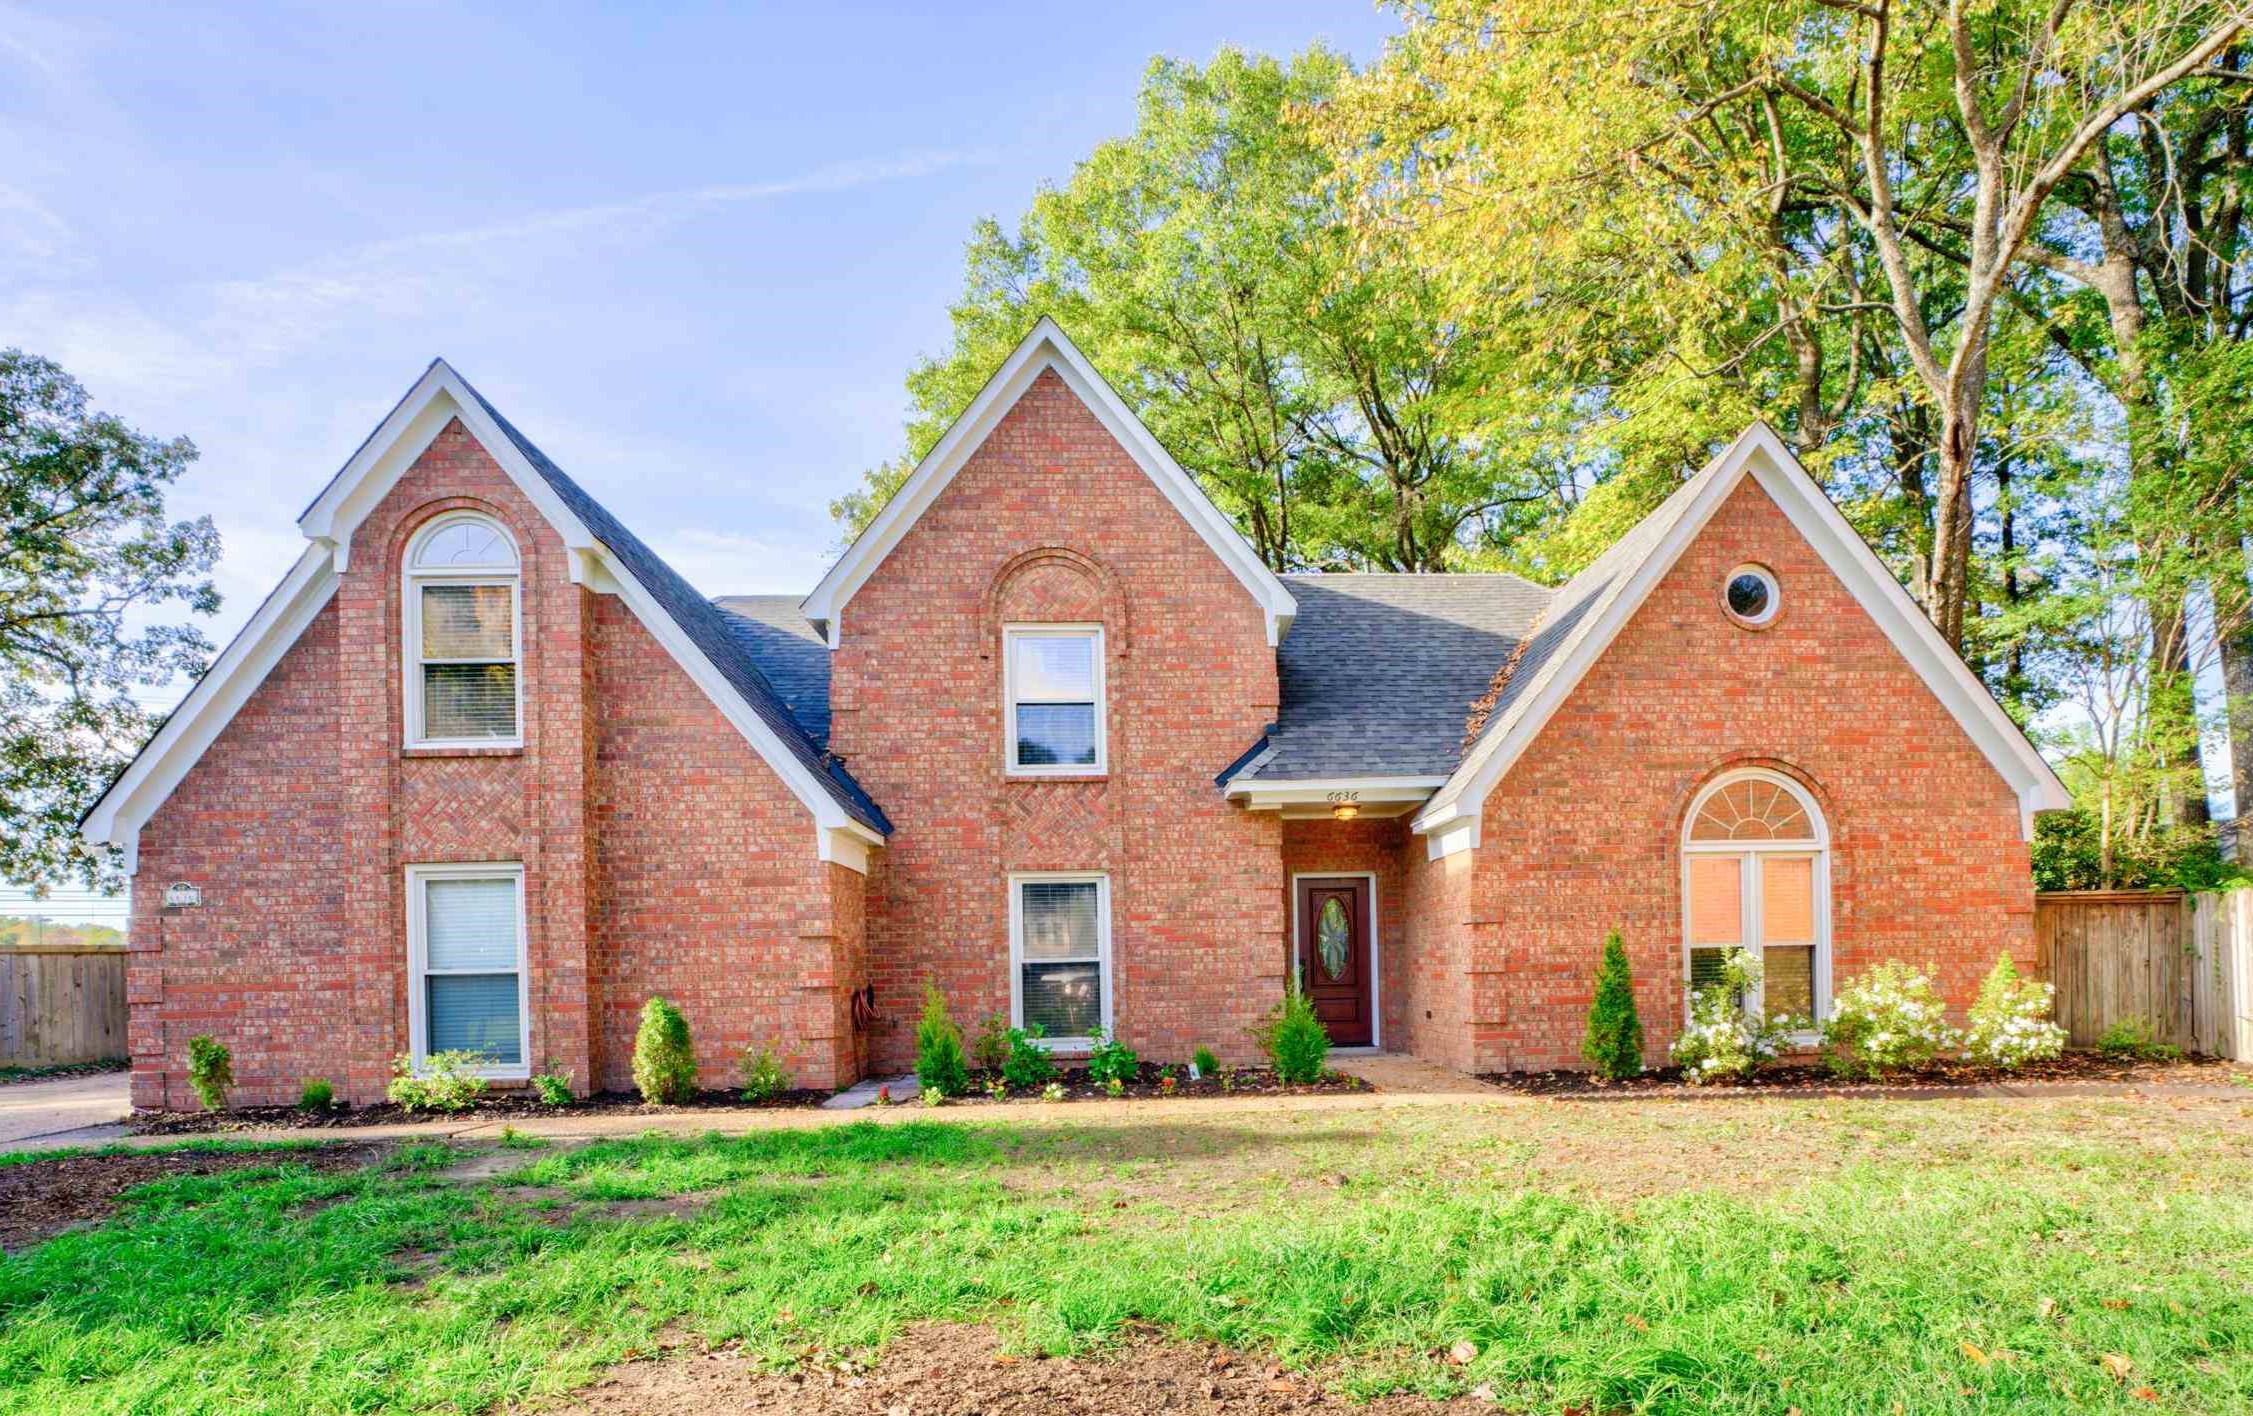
(1292, 1036)
(85, 554)
(939, 1062)
(1614, 1044)
(664, 1061)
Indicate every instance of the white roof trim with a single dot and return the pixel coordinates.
(1047, 347)
(1760, 454)
(437, 398)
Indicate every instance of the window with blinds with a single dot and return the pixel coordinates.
(1054, 683)
(462, 636)
(1754, 852)
(1060, 937)
(467, 946)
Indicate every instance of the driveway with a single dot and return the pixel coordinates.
(41, 1109)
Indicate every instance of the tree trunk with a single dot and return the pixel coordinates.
(1950, 596)
(2237, 683)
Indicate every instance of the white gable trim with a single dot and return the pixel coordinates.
(437, 398)
(1047, 347)
(1451, 821)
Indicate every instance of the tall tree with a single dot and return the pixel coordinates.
(85, 554)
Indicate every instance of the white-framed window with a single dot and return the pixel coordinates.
(1060, 954)
(463, 636)
(466, 973)
(1751, 595)
(1052, 682)
(1756, 876)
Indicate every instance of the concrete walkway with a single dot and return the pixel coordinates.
(85, 1108)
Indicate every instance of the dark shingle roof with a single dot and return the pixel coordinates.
(719, 636)
(1378, 671)
(791, 652)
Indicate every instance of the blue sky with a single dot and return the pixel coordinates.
(691, 250)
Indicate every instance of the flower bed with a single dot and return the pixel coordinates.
(502, 1105)
(1815, 1077)
(1150, 1084)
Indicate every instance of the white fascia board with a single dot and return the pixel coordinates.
(211, 705)
(1269, 796)
(1046, 347)
(437, 398)
(1759, 453)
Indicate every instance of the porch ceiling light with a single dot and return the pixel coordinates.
(1345, 810)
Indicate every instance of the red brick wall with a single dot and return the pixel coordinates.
(1327, 847)
(299, 821)
(1052, 520)
(1434, 998)
(1927, 862)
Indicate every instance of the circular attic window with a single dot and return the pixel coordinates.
(1750, 595)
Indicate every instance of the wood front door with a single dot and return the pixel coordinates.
(1333, 956)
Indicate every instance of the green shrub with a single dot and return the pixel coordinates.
(664, 1060)
(1723, 1042)
(1614, 1044)
(939, 1063)
(1028, 1066)
(1111, 1060)
(1294, 1039)
(2135, 1039)
(1203, 1063)
(211, 1070)
(1888, 1020)
(991, 1050)
(446, 1081)
(2011, 1023)
(764, 1076)
(934, 1096)
(316, 1095)
(554, 1088)
(1054, 1091)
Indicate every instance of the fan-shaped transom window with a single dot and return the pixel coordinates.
(1756, 877)
(462, 636)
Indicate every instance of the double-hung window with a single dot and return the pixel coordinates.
(466, 963)
(462, 651)
(1060, 954)
(1054, 683)
(1756, 878)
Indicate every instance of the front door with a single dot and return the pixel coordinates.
(1333, 955)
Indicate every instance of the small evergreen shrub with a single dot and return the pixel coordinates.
(1028, 1066)
(764, 1077)
(211, 1070)
(1614, 1044)
(554, 1088)
(1888, 1020)
(2136, 1040)
(1203, 1063)
(316, 1095)
(1294, 1039)
(664, 1060)
(2011, 1024)
(991, 1050)
(1723, 1042)
(939, 1063)
(1111, 1060)
(446, 1081)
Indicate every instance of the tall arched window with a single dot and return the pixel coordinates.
(1756, 876)
(462, 645)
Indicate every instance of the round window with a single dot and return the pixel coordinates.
(1751, 594)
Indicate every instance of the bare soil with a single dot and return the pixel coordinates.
(958, 1369)
(41, 1198)
(1941, 1076)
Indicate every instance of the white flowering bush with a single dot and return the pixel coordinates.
(1722, 1042)
(2011, 1023)
(1888, 1020)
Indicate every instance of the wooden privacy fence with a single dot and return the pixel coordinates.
(61, 1004)
(2182, 963)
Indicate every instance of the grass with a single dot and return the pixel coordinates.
(1767, 1256)
(214, 1145)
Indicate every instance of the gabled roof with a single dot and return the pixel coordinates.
(1588, 612)
(602, 554)
(1045, 348)
(1377, 671)
(789, 650)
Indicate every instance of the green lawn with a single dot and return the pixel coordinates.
(1767, 1256)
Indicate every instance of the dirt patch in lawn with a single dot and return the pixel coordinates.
(503, 1107)
(2085, 1067)
(41, 1198)
(958, 1369)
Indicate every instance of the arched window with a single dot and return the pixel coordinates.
(1756, 876)
(462, 647)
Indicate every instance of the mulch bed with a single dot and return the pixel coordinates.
(1150, 1083)
(957, 1369)
(40, 1198)
(1941, 1076)
(499, 1106)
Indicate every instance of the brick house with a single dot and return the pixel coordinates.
(484, 772)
